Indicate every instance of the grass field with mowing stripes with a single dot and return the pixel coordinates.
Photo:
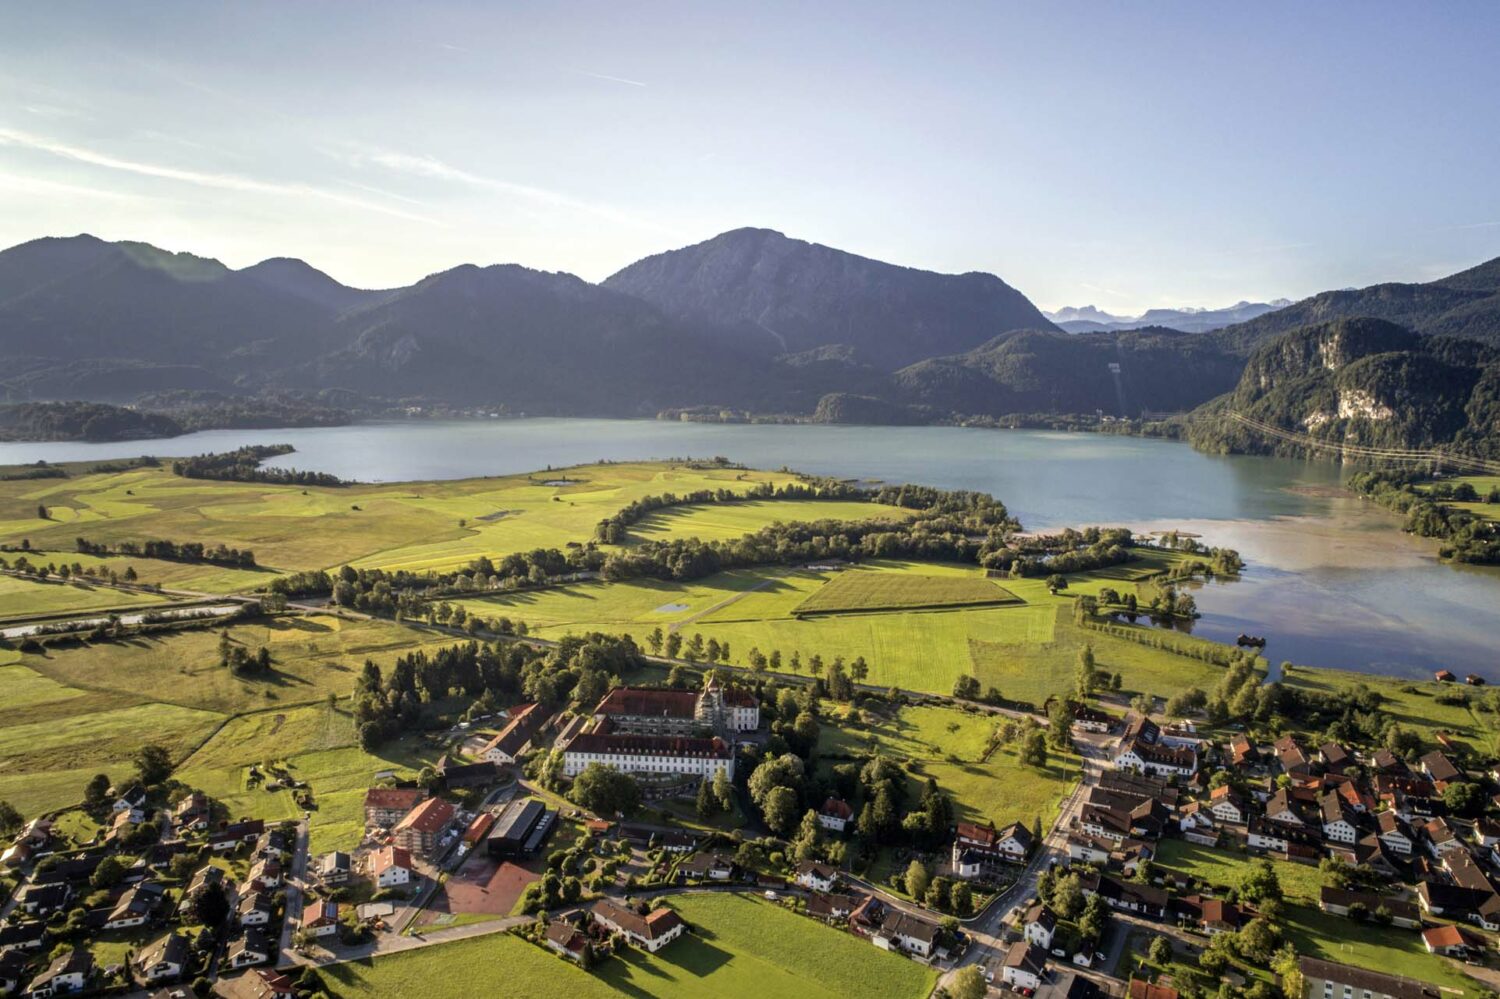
(865, 591)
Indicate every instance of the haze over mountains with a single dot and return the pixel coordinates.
(749, 321)
(1089, 319)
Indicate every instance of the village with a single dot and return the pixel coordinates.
(206, 902)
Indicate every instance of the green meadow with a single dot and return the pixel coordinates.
(1026, 647)
(26, 598)
(75, 711)
(740, 948)
(409, 525)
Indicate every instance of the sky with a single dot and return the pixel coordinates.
(1126, 155)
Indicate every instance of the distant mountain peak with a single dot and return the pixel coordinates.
(784, 295)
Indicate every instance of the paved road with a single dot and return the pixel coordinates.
(296, 877)
(986, 930)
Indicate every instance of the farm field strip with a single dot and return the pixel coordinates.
(856, 591)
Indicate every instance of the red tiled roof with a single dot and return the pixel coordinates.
(387, 857)
(431, 816)
(638, 701)
(392, 798)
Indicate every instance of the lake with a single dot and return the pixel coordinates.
(1331, 580)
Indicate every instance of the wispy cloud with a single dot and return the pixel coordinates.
(38, 185)
(430, 167)
(1470, 225)
(610, 79)
(199, 178)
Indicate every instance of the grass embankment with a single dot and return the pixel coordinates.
(742, 947)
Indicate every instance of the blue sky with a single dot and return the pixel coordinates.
(1129, 155)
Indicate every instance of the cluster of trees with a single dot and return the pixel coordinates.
(1056, 554)
(239, 660)
(941, 893)
(1466, 536)
(579, 666)
(614, 530)
(171, 551)
(244, 465)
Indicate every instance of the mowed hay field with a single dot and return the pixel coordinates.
(69, 713)
(20, 598)
(882, 591)
(1026, 647)
(411, 525)
(1414, 703)
(741, 948)
(726, 521)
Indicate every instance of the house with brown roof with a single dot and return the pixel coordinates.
(258, 983)
(1452, 941)
(1025, 966)
(566, 939)
(524, 722)
(835, 814)
(1038, 926)
(1440, 769)
(385, 806)
(391, 867)
(652, 931)
(421, 830)
(1142, 989)
(903, 931)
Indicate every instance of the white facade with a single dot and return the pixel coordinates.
(393, 877)
(650, 762)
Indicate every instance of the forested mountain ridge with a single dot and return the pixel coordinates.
(1466, 304)
(787, 296)
(1364, 382)
(750, 322)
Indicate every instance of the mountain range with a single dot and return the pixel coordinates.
(1089, 319)
(748, 322)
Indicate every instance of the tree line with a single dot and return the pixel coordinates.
(244, 465)
(171, 551)
(1465, 536)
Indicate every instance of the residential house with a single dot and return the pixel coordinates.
(333, 868)
(1025, 966)
(252, 947)
(817, 877)
(1440, 769)
(832, 907)
(652, 931)
(193, 812)
(67, 974)
(1227, 805)
(12, 971)
(255, 909)
(1242, 752)
(1218, 916)
(133, 803)
(905, 932)
(43, 899)
(1146, 749)
(1334, 757)
(835, 815)
(234, 834)
(1331, 980)
(264, 875)
(1038, 926)
(257, 983)
(391, 867)
(1394, 832)
(711, 866)
(1338, 821)
(321, 918)
(134, 907)
(1452, 941)
(1141, 989)
(1126, 896)
(163, 960)
(1339, 902)
(565, 939)
(1292, 757)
